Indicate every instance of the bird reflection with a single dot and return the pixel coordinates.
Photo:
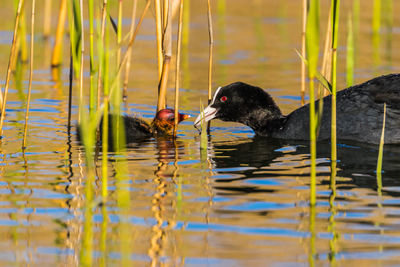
(356, 161)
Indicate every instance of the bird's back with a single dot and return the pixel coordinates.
(359, 113)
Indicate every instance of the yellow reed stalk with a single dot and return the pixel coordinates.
(62, 16)
(303, 52)
(11, 59)
(129, 55)
(178, 66)
(159, 32)
(167, 45)
(30, 73)
(166, 13)
(47, 19)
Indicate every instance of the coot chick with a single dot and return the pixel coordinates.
(137, 130)
(359, 112)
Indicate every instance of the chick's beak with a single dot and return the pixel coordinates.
(208, 114)
(183, 117)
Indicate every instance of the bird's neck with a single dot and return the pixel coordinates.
(265, 122)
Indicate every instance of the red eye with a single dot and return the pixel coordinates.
(223, 99)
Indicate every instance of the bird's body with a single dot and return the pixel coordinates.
(137, 130)
(359, 112)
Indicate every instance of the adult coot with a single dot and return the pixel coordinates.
(359, 112)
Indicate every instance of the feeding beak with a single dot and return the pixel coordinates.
(183, 117)
(208, 114)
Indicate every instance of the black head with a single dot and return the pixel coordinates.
(241, 102)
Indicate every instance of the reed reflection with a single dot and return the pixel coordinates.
(165, 197)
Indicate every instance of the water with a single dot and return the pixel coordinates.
(243, 202)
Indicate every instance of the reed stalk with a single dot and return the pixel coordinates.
(47, 19)
(376, 26)
(62, 16)
(178, 66)
(100, 69)
(380, 154)
(312, 45)
(106, 93)
(303, 51)
(82, 44)
(92, 103)
(159, 33)
(22, 47)
(203, 134)
(129, 55)
(11, 59)
(335, 29)
(166, 12)
(350, 52)
(210, 54)
(167, 48)
(30, 74)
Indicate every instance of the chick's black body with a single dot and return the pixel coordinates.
(359, 112)
(136, 129)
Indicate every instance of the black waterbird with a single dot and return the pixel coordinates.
(359, 112)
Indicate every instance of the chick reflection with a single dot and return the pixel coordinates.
(164, 198)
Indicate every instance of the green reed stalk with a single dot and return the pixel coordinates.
(117, 129)
(30, 73)
(82, 45)
(303, 52)
(101, 51)
(11, 59)
(92, 103)
(312, 45)
(203, 134)
(335, 25)
(350, 52)
(106, 93)
(178, 66)
(47, 19)
(380, 154)
(22, 47)
(326, 69)
(56, 57)
(129, 55)
(159, 33)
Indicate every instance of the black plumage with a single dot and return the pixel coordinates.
(359, 112)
